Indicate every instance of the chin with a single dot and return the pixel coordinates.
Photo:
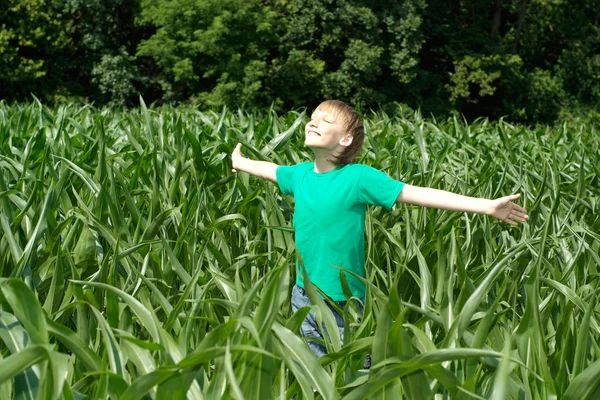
(311, 144)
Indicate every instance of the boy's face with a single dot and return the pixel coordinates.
(326, 131)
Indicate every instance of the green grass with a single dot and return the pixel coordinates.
(135, 265)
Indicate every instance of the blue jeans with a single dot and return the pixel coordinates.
(310, 329)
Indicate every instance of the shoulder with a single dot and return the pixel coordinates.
(305, 166)
(292, 172)
(302, 168)
(360, 171)
(368, 175)
(354, 169)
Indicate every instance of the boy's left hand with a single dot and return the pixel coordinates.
(505, 210)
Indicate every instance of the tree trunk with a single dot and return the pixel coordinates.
(496, 19)
(520, 23)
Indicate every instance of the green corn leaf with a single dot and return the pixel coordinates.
(16, 340)
(299, 353)
(585, 384)
(26, 308)
(19, 362)
(70, 340)
(138, 308)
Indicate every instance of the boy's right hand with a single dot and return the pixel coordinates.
(236, 157)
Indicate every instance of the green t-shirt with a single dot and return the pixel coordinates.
(329, 220)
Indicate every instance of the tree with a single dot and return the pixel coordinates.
(35, 41)
(68, 49)
(536, 57)
(291, 53)
(216, 51)
(106, 38)
(361, 52)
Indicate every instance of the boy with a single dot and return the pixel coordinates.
(331, 195)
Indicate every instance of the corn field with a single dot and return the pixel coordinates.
(135, 265)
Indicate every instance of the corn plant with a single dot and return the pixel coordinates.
(135, 265)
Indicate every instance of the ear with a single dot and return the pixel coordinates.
(346, 140)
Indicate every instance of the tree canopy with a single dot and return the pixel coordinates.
(525, 60)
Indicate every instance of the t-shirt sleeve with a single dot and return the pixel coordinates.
(377, 188)
(285, 178)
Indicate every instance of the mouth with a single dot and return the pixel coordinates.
(313, 134)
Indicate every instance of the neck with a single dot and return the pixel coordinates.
(323, 163)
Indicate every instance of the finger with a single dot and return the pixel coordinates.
(511, 222)
(517, 218)
(514, 196)
(233, 170)
(519, 214)
(518, 208)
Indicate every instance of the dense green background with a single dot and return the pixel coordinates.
(531, 61)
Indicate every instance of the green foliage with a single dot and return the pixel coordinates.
(233, 52)
(480, 73)
(298, 72)
(545, 96)
(106, 39)
(493, 85)
(535, 77)
(216, 51)
(134, 264)
(369, 53)
(359, 68)
(580, 71)
(525, 61)
(115, 76)
(55, 49)
(35, 36)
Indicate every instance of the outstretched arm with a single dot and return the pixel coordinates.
(501, 208)
(260, 169)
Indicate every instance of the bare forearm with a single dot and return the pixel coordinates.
(435, 198)
(260, 169)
